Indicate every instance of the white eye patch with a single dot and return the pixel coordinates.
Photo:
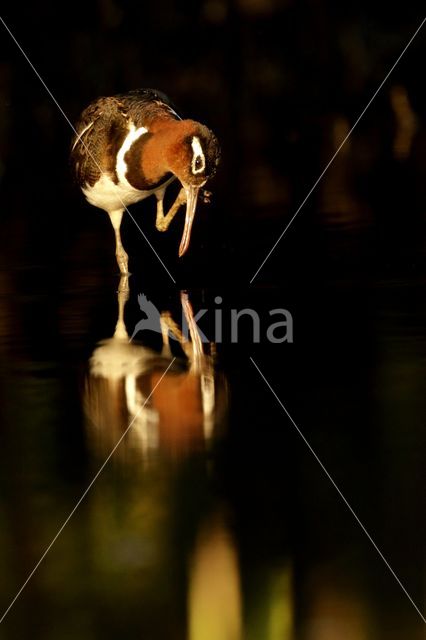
(198, 163)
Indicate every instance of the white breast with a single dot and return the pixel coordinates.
(109, 196)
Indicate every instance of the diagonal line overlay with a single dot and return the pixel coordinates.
(81, 141)
(339, 148)
(338, 490)
(83, 495)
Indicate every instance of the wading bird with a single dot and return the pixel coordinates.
(130, 146)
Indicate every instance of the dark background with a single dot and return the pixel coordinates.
(280, 82)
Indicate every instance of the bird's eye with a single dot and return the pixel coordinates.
(198, 162)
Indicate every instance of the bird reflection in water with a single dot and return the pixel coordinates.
(172, 535)
(176, 413)
(123, 387)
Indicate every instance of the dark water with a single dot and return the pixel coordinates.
(213, 519)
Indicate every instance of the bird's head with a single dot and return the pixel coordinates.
(193, 156)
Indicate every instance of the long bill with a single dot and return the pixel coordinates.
(191, 203)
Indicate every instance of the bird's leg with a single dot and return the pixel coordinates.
(122, 297)
(163, 221)
(120, 254)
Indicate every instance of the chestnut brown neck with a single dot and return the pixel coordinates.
(165, 137)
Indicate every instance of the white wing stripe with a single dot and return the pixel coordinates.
(132, 136)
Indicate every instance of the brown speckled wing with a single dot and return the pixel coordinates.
(145, 105)
(100, 133)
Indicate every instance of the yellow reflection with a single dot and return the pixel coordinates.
(270, 614)
(214, 600)
(406, 122)
(177, 415)
(338, 201)
(336, 615)
(281, 606)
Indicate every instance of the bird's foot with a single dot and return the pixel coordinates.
(162, 226)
